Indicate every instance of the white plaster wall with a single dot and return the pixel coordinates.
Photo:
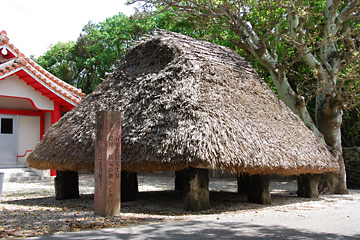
(44, 173)
(14, 87)
(29, 135)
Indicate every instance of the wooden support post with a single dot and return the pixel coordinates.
(308, 186)
(107, 163)
(196, 189)
(259, 189)
(129, 186)
(243, 182)
(66, 185)
(179, 180)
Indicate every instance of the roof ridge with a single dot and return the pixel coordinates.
(16, 63)
(55, 84)
(55, 79)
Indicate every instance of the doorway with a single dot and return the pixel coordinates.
(8, 139)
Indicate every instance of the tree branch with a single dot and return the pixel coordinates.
(347, 12)
(355, 16)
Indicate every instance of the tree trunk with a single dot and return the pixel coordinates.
(328, 107)
(243, 182)
(196, 189)
(66, 185)
(308, 186)
(129, 186)
(259, 189)
(329, 119)
(179, 182)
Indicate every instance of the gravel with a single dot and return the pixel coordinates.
(29, 209)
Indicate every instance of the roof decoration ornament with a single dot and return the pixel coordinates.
(4, 51)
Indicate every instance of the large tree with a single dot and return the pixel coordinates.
(310, 48)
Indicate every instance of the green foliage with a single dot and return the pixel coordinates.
(53, 58)
(101, 45)
(85, 62)
(66, 71)
(350, 129)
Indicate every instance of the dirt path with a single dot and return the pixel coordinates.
(29, 209)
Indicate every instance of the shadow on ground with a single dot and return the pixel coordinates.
(168, 203)
(34, 213)
(192, 230)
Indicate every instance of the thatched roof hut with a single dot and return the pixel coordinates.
(187, 103)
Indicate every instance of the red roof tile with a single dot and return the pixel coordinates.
(52, 86)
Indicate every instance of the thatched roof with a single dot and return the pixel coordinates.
(187, 103)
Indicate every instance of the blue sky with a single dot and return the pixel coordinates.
(33, 25)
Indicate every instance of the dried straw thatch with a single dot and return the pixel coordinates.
(187, 103)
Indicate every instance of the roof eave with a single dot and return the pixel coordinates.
(47, 88)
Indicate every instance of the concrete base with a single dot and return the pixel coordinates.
(259, 189)
(66, 185)
(308, 186)
(129, 186)
(242, 182)
(179, 180)
(196, 189)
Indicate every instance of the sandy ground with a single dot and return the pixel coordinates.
(30, 210)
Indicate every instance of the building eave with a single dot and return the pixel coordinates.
(36, 76)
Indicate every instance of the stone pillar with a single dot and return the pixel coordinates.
(129, 186)
(308, 185)
(66, 185)
(179, 181)
(196, 189)
(107, 163)
(259, 189)
(242, 181)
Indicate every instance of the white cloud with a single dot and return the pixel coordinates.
(33, 25)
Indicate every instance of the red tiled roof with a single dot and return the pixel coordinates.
(36, 76)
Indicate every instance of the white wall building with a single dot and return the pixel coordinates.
(31, 100)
